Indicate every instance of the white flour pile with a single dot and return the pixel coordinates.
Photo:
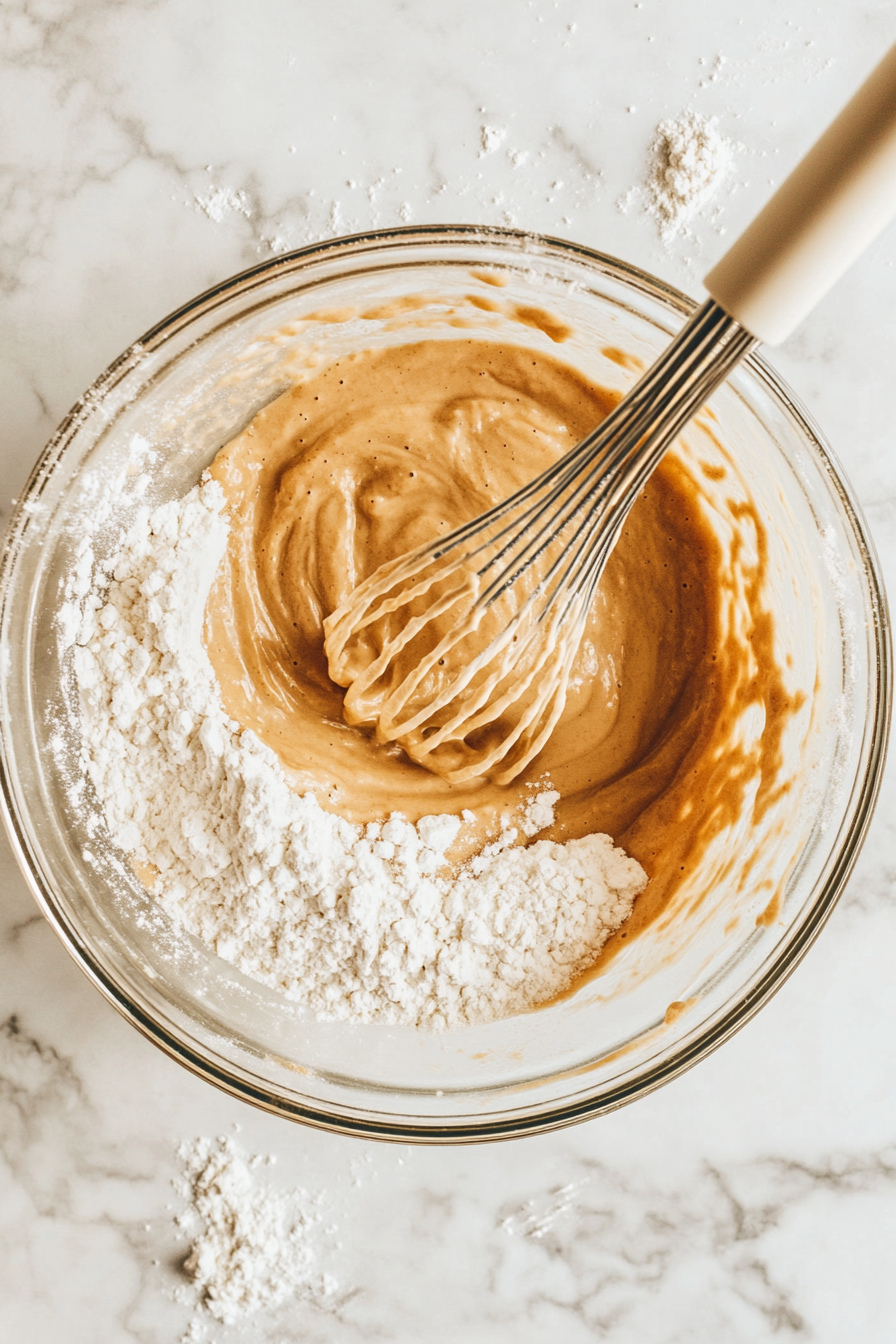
(249, 1244)
(358, 924)
(689, 160)
(218, 202)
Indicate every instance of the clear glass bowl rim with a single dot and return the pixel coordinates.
(238, 1082)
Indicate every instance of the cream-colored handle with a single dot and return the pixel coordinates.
(820, 219)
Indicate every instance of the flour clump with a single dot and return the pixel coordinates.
(690, 158)
(250, 1247)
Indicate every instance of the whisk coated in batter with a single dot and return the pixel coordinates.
(461, 650)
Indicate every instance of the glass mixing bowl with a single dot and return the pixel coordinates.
(678, 989)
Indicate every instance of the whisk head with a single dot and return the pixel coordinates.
(461, 651)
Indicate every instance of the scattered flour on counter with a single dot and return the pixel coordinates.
(362, 924)
(490, 139)
(689, 161)
(219, 202)
(249, 1245)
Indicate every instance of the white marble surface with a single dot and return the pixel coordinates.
(151, 147)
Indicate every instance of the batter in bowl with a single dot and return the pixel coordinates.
(385, 449)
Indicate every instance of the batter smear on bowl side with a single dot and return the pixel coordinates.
(336, 869)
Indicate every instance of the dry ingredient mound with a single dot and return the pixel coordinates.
(358, 924)
(249, 1245)
(689, 160)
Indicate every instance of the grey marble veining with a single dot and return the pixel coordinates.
(147, 149)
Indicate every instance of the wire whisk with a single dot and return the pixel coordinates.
(461, 650)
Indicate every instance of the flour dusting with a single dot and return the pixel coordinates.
(490, 139)
(250, 1248)
(689, 161)
(360, 924)
(219, 202)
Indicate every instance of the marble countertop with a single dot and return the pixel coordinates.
(153, 147)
